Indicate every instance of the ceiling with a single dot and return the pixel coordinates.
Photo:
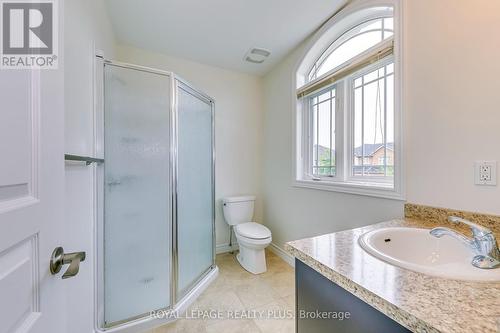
(219, 32)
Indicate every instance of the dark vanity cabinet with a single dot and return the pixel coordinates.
(324, 307)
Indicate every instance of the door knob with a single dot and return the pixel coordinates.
(59, 259)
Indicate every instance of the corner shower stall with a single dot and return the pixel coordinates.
(155, 192)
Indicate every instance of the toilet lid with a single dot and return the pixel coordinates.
(253, 230)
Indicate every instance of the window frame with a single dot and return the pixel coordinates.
(309, 130)
(349, 110)
(341, 40)
(343, 181)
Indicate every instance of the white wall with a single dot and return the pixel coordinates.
(85, 24)
(452, 101)
(238, 124)
(452, 110)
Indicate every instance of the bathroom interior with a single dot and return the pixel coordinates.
(255, 166)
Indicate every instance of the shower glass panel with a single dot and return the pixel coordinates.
(137, 193)
(194, 187)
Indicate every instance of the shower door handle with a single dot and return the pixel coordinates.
(59, 258)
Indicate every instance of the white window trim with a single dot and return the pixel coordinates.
(341, 40)
(307, 129)
(340, 183)
(350, 123)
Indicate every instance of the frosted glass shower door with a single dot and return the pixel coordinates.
(195, 202)
(137, 193)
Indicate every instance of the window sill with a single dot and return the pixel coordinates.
(357, 188)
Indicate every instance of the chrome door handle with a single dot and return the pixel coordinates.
(59, 258)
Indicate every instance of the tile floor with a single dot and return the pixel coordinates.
(271, 294)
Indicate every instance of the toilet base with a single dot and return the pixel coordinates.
(252, 260)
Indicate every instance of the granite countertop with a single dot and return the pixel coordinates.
(419, 302)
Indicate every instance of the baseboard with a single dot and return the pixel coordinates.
(289, 259)
(224, 248)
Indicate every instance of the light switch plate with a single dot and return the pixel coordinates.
(485, 173)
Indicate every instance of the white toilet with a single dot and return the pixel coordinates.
(252, 237)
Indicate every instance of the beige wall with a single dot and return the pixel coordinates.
(452, 101)
(452, 115)
(238, 122)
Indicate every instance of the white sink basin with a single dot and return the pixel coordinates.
(417, 250)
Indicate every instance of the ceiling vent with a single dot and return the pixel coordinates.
(257, 56)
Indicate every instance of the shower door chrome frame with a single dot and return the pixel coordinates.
(102, 326)
(99, 97)
(180, 83)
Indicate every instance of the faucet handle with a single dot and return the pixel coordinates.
(477, 230)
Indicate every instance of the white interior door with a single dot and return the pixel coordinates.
(31, 200)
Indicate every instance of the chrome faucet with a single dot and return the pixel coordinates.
(483, 242)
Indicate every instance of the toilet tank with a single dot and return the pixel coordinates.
(238, 209)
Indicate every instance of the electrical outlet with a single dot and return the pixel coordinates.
(485, 173)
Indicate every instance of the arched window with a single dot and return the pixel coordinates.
(351, 43)
(349, 115)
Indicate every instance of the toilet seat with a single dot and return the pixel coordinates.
(252, 230)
